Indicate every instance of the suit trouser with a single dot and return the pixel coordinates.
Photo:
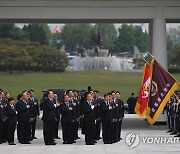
(113, 131)
(10, 132)
(5, 131)
(178, 128)
(66, 129)
(98, 129)
(106, 127)
(172, 122)
(33, 127)
(48, 130)
(169, 121)
(89, 131)
(75, 126)
(56, 127)
(1, 131)
(24, 131)
(119, 130)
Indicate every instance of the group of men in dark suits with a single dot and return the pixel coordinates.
(7, 118)
(24, 112)
(88, 111)
(173, 114)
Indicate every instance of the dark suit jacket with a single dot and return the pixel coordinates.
(89, 114)
(23, 112)
(34, 110)
(121, 109)
(106, 113)
(48, 110)
(67, 115)
(11, 115)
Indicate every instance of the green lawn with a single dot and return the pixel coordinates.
(104, 81)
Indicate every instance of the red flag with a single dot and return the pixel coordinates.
(57, 29)
(143, 96)
(163, 86)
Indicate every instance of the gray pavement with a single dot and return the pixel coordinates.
(131, 124)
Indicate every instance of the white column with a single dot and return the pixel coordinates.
(159, 44)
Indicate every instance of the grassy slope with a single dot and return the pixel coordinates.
(104, 81)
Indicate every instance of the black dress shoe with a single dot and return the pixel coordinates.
(57, 137)
(169, 131)
(26, 143)
(173, 133)
(47, 144)
(34, 137)
(78, 137)
(65, 142)
(120, 138)
(94, 141)
(12, 143)
(53, 143)
(177, 135)
(89, 143)
(109, 142)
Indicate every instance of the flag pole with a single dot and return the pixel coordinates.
(163, 67)
(151, 55)
(176, 96)
(145, 61)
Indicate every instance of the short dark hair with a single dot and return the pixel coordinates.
(106, 95)
(49, 91)
(89, 88)
(19, 96)
(118, 92)
(10, 99)
(30, 90)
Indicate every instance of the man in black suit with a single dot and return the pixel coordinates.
(131, 103)
(34, 113)
(11, 121)
(57, 113)
(1, 118)
(49, 119)
(66, 120)
(89, 119)
(98, 114)
(120, 114)
(106, 119)
(23, 116)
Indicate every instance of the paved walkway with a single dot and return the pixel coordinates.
(131, 124)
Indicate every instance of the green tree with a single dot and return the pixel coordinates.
(75, 35)
(125, 41)
(129, 36)
(38, 32)
(108, 34)
(13, 57)
(52, 59)
(4, 30)
(174, 58)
